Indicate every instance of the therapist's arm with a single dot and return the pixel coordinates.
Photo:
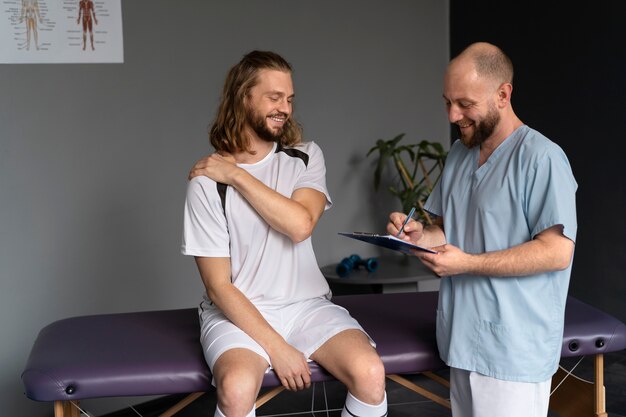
(549, 251)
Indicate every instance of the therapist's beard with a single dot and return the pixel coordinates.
(483, 129)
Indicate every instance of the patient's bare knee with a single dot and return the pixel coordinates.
(238, 374)
(236, 393)
(367, 378)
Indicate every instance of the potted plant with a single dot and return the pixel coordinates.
(418, 168)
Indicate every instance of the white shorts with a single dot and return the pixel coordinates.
(476, 395)
(305, 325)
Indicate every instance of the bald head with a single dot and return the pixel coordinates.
(477, 90)
(487, 60)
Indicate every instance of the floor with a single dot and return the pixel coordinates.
(402, 402)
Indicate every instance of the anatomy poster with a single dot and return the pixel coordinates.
(61, 31)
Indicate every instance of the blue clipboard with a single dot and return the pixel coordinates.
(386, 241)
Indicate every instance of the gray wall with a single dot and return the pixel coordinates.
(94, 158)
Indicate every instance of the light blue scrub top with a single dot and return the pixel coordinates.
(509, 328)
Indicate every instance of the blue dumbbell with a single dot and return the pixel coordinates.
(354, 261)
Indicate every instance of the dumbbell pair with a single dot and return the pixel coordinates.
(353, 262)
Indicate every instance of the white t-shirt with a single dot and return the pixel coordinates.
(265, 264)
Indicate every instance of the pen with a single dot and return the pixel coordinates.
(406, 221)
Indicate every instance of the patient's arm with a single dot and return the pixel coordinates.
(289, 363)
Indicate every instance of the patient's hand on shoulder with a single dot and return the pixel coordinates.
(218, 167)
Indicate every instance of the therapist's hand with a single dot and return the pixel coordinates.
(448, 261)
(413, 230)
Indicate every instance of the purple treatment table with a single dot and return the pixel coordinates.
(159, 353)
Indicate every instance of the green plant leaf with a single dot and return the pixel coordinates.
(424, 158)
(386, 150)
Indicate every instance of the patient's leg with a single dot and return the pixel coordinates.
(352, 360)
(238, 374)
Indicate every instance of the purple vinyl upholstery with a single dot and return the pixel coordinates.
(155, 352)
(158, 352)
(589, 331)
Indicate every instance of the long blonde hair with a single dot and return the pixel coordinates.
(227, 133)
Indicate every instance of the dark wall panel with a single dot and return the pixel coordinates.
(569, 84)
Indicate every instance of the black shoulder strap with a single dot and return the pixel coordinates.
(294, 153)
(221, 190)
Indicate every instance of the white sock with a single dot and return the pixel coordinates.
(357, 408)
(218, 412)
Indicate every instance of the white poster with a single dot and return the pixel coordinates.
(61, 31)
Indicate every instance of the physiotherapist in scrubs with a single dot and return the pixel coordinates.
(504, 235)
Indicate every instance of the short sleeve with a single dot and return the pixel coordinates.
(315, 174)
(550, 194)
(205, 230)
(434, 202)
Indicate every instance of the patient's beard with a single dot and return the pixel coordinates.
(258, 123)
